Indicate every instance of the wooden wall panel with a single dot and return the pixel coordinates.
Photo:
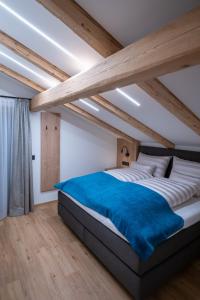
(50, 150)
(122, 147)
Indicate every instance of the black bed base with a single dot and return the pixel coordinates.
(139, 278)
(139, 284)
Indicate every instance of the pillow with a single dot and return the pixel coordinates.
(141, 167)
(186, 171)
(159, 162)
(184, 178)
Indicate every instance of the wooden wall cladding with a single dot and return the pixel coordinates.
(126, 152)
(50, 150)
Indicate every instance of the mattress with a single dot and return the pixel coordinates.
(84, 224)
(189, 211)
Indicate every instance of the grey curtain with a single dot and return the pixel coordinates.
(19, 158)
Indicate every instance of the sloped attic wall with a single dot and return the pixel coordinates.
(124, 23)
(84, 147)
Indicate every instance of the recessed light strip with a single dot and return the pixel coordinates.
(64, 50)
(53, 42)
(128, 97)
(43, 78)
(26, 68)
(89, 105)
(40, 32)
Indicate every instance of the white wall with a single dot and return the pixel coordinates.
(84, 148)
(11, 87)
(36, 146)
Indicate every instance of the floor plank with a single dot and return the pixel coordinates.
(40, 258)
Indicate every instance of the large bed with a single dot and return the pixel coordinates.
(139, 277)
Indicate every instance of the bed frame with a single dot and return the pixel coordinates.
(138, 277)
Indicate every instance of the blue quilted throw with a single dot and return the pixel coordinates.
(143, 216)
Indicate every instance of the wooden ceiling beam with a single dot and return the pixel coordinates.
(5, 70)
(25, 52)
(34, 58)
(31, 56)
(132, 121)
(81, 112)
(168, 100)
(173, 47)
(28, 82)
(76, 18)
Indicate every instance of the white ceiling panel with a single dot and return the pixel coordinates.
(9, 86)
(114, 121)
(130, 20)
(38, 16)
(127, 20)
(16, 63)
(153, 115)
(185, 84)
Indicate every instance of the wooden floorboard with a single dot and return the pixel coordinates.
(41, 259)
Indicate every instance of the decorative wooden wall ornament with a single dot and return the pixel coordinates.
(50, 150)
(126, 152)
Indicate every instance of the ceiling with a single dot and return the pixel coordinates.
(127, 21)
(130, 20)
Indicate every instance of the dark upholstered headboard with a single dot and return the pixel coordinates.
(184, 154)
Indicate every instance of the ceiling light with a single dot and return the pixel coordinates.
(89, 105)
(128, 97)
(44, 35)
(50, 83)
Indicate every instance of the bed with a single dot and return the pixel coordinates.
(113, 250)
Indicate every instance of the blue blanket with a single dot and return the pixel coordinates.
(140, 214)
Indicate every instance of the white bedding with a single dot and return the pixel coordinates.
(129, 174)
(179, 196)
(174, 192)
(189, 211)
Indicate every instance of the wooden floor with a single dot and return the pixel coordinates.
(41, 259)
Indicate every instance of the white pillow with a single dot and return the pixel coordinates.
(160, 162)
(141, 167)
(186, 171)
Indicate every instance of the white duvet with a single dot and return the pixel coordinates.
(129, 174)
(174, 192)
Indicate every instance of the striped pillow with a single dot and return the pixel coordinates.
(174, 192)
(186, 171)
(145, 168)
(160, 162)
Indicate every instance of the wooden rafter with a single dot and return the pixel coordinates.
(99, 122)
(26, 53)
(75, 17)
(132, 121)
(168, 100)
(173, 47)
(33, 57)
(72, 107)
(28, 82)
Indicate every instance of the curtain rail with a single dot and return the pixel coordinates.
(12, 97)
